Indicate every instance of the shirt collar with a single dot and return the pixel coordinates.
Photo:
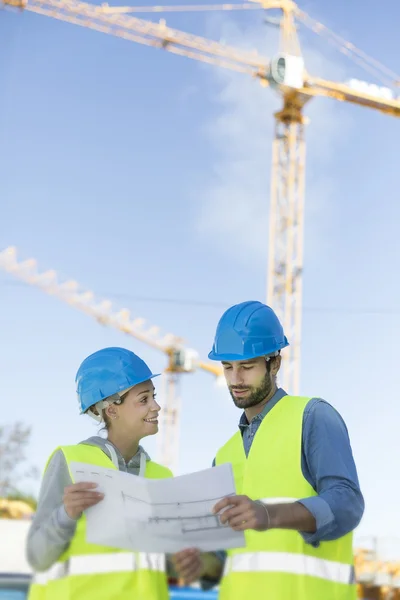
(243, 422)
(135, 460)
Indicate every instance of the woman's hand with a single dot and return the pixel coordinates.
(189, 565)
(79, 496)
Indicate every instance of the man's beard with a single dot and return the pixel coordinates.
(255, 394)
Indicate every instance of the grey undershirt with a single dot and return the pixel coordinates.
(52, 529)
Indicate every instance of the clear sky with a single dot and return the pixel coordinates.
(145, 176)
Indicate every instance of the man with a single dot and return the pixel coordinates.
(298, 498)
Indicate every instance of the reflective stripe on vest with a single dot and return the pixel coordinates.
(90, 564)
(279, 500)
(284, 562)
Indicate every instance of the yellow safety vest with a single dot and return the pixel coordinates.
(91, 572)
(278, 564)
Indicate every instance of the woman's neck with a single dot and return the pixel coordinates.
(127, 447)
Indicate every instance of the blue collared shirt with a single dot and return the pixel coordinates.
(327, 464)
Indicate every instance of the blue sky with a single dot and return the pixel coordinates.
(146, 175)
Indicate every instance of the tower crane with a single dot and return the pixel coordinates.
(286, 73)
(180, 359)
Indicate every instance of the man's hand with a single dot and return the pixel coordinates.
(189, 564)
(242, 513)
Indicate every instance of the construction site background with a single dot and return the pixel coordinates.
(377, 577)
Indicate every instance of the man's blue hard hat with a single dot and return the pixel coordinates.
(107, 372)
(246, 331)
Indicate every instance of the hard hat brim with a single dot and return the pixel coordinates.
(152, 376)
(247, 356)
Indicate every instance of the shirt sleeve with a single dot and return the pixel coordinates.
(329, 467)
(52, 529)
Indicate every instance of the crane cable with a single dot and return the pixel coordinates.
(369, 64)
(384, 74)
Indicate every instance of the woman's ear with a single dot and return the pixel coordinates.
(112, 412)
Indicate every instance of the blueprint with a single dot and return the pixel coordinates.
(159, 515)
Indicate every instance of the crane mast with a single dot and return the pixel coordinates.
(287, 75)
(168, 441)
(286, 215)
(285, 255)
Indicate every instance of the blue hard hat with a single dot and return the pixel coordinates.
(107, 372)
(246, 331)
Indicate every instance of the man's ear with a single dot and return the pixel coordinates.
(275, 364)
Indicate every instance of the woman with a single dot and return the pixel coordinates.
(114, 386)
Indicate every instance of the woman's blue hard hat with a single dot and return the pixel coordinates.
(109, 371)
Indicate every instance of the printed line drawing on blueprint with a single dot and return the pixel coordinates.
(159, 515)
(191, 516)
